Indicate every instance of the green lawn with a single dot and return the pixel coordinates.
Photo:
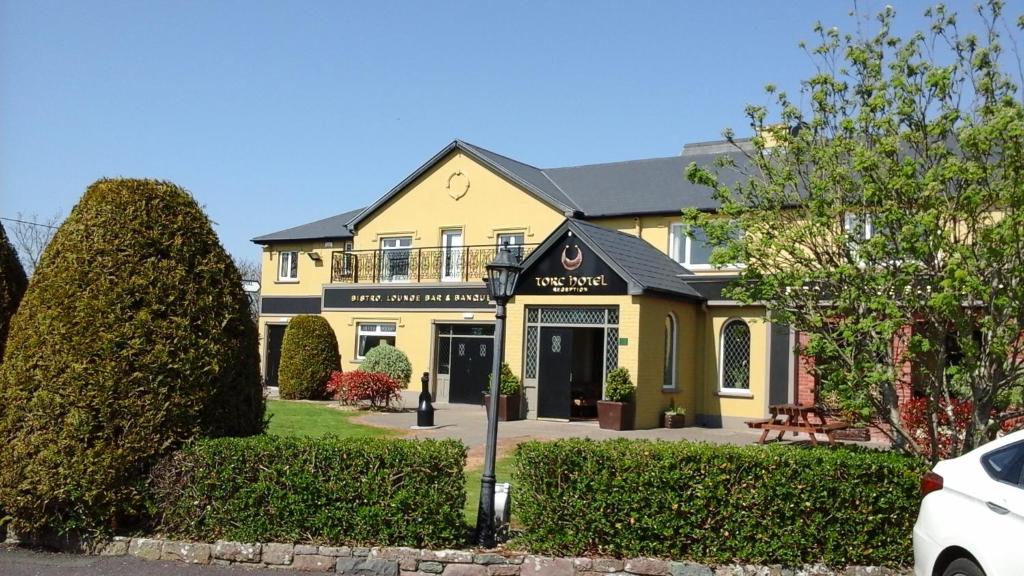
(289, 418)
(503, 473)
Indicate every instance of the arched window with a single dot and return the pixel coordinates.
(669, 377)
(734, 362)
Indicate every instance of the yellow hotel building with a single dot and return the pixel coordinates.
(610, 278)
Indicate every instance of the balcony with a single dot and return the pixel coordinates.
(435, 264)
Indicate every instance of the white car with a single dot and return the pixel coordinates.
(972, 515)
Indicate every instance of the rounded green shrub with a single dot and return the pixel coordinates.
(619, 386)
(309, 354)
(389, 360)
(133, 338)
(12, 286)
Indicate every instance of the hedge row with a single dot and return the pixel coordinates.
(716, 504)
(356, 491)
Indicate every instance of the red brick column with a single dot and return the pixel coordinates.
(806, 381)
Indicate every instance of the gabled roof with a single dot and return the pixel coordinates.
(531, 177)
(641, 265)
(635, 187)
(527, 177)
(333, 228)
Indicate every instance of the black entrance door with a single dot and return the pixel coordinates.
(275, 335)
(470, 368)
(554, 384)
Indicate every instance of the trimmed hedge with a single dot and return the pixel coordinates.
(309, 354)
(134, 336)
(12, 286)
(717, 504)
(358, 491)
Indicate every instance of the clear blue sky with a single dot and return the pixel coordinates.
(274, 114)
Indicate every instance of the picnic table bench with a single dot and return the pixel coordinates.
(796, 418)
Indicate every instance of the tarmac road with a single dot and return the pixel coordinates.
(24, 562)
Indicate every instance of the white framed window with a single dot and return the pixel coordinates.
(669, 378)
(451, 257)
(858, 225)
(734, 357)
(346, 259)
(394, 258)
(369, 335)
(688, 245)
(513, 241)
(287, 266)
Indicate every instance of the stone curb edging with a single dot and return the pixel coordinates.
(400, 561)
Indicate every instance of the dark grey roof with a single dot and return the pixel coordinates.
(641, 265)
(335, 227)
(533, 177)
(711, 287)
(651, 186)
(656, 185)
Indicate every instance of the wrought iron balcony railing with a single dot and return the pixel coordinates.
(434, 264)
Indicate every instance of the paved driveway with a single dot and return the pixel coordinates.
(468, 423)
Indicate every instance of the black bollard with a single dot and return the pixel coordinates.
(425, 411)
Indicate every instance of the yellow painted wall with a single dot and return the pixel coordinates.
(735, 409)
(490, 205)
(652, 398)
(414, 333)
(312, 275)
(655, 230)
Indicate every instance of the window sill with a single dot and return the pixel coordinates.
(667, 390)
(734, 394)
(280, 281)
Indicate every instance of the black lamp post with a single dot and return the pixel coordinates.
(502, 275)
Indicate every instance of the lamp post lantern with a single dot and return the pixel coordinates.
(502, 274)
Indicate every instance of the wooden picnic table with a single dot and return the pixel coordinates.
(796, 418)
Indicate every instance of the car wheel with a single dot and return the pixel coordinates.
(963, 567)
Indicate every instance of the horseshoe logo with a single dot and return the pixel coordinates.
(574, 263)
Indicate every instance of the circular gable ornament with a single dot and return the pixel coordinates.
(458, 185)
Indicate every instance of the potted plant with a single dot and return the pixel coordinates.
(510, 397)
(675, 416)
(616, 411)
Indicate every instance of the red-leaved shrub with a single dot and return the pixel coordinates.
(374, 389)
(950, 431)
(914, 414)
(333, 387)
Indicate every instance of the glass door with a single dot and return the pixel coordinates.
(394, 259)
(513, 242)
(451, 261)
